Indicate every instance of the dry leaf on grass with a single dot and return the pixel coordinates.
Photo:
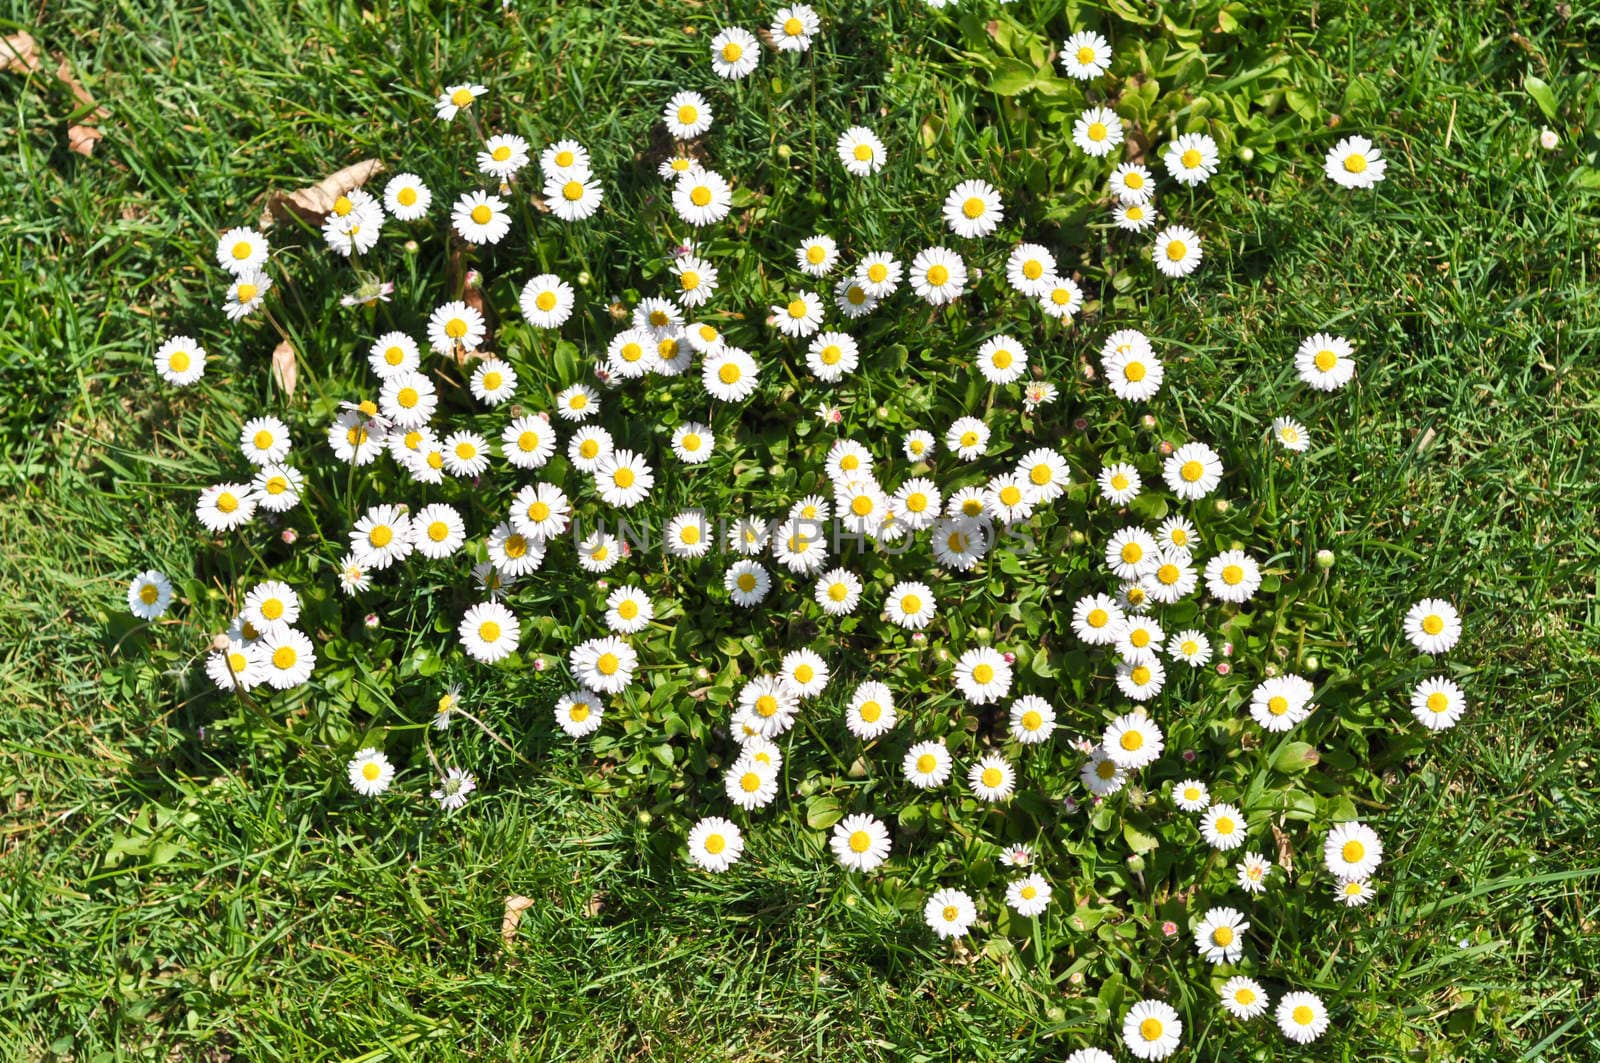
(309, 204)
(81, 138)
(1285, 850)
(509, 922)
(285, 370)
(20, 53)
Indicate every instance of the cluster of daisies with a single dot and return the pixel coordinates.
(870, 497)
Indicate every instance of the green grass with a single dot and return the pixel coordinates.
(178, 882)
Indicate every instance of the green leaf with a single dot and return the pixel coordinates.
(1295, 757)
(1138, 840)
(1010, 76)
(1542, 94)
(823, 812)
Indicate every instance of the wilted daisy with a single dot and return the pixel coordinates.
(1354, 892)
(938, 275)
(547, 301)
(800, 316)
(226, 506)
(573, 198)
(180, 361)
(1085, 55)
(949, 913)
(1280, 703)
(927, 765)
(1190, 646)
(455, 98)
(1437, 703)
(241, 666)
(734, 53)
(747, 583)
(1433, 626)
(1191, 795)
(370, 772)
(489, 632)
(245, 294)
(289, 657)
(1302, 1017)
(1029, 896)
(1324, 362)
(817, 255)
(861, 151)
(1032, 719)
(1233, 576)
(1192, 471)
(604, 664)
(1352, 850)
(623, 479)
(831, 356)
(1191, 159)
(1132, 183)
(1223, 827)
(565, 159)
(454, 787)
(1119, 483)
(992, 778)
(1151, 1030)
(1135, 217)
(1097, 619)
(1290, 434)
(514, 553)
(1354, 163)
(1177, 251)
(715, 844)
(453, 325)
(730, 375)
(1252, 873)
(687, 115)
(1019, 855)
(973, 209)
(1062, 299)
(480, 218)
(1243, 998)
(241, 251)
(793, 27)
(1097, 131)
(406, 197)
(871, 711)
(149, 595)
(354, 577)
(1220, 935)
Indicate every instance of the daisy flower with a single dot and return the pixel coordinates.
(1354, 892)
(456, 98)
(918, 445)
(149, 595)
(1177, 533)
(1352, 850)
(1324, 362)
(455, 324)
(406, 197)
(801, 316)
(599, 552)
(1138, 639)
(1279, 703)
(1131, 552)
(1062, 299)
(244, 294)
(687, 115)
(1192, 471)
(1135, 217)
(1233, 576)
(968, 437)
(852, 299)
(489, 632)
(1252, 873)
(408, 399)
(180, 361)
(241, 251)
(838, 591)
(879, 274)
(1191, 647)
(370, 772)
(571, 197)
(1030, 270)
(453, 788)
(1433, 626)
(1437, 703)
(1302, 1017)
(697, 280)
(927, 765)
(1354, 163)
(264, 441)
(917, 503)
(1085, 55)
(1029, 896)
(973, 209)
(1223, 827)
(688, 534)
(1134, 374)
(730, 375)
(604, 664)
(983, 675)
(1101, 775)
(860, 842)
(715, 844)
(992, 778)
(804, 673)
(392, 354)
(480, 218)
(747, 583)
(502, 156)
(623, 479)
(1290, 434)
(1151, 1030)
(1097, 619)
(1097, 131)
(514, 553)
(226, 506)
(1243, 998)
(693, 443)
(438, 531)
(1191, 795)
(1032, 719)
(289, 657)
(577, 402)
(1132, 183)
(1177, 251)
(1002, 360)
(493, 382)
(1132, 741)
(831, 356)
(269, 605)
(871, 711)
(579, 713)
(749, 536)
(1091, 1055)
(861, 151)
(1191, 159)
(465, 454)
(357, 438)
(528, 441)
(547, 301)
(242, 666)
(676, 166)
(949, 913)
(1220, 935)
(1119, 483)
(588, 447)
(817, 255)
(938, 275)
(565, 159)
(734, 53)
(793, 27)
(771, 703)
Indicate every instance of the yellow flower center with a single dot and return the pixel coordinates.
(1011, 494)
(608, 664)
(406, 197)
(272, 608)
(1106, 769)
(766, 704)
(1433, 623)
(438, 531)
(728, 373)
(1222, 936)
(481, 214)
(628, 609)
(1134, 212)
(246, 292)
(831, 354)
(793, 26)
(1169, 574)
(1353, 851)
(1131, 741)
(797, 308)
(992, 777)
(1176, 249)
(969, 439)
(1133, 179)
(1001, 359)
(623, 478)
(226, 502)
(1132, 553)
(565, 159)
(489, 631)
(910, 604)
(938, 275)
(861, 505)
(1119, 481)
(862, 152)
(1223, 825)
(927, 762)
(1028, 893)
(237, 663)
(805, 673)
(747, 582)
(1151, 1029)
(149, 593)
(1190, 158)
(492, 380)
(1134, 371)
(242, 249)
(871, 711)
(579, 712)
(1061, 296)
(515, 546)
(380, 536)
(689, 280)
(284, 657)
(455, 328)
(632, 352)
(715, 843)
(750, 782)
(1032, 720)
(688, 114)
(1244, 996)
(371, 770)
(1085, 55)
(731, 52)
(1192, 471)
(1233, 575)
(1302, 1015)
(816, 253)
(973, 207)
(700, 195)
(572, 191)
(179, 362)
(1438, 701)
(466, 451)
(950, 913)
(1097, 131)
(461, 97)
(1278, 705)
(1355, 162)
(689, 534)
(1140, 676)
(1098, 618)
(983, 673)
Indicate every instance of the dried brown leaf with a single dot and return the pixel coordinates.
(1285, 850)
(309, 204)
(79, 93)
(81, 138)
(20, 53)
(285, 370)
(509, 922)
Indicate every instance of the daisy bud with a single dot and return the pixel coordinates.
(601, 584)
(290, 536)
(983, 634)
(784, 151)
(918, 637)
(1169, 928)
(540, 664)
(584, 279)
(1080, 424)
(627, 548)
(1148, 420)
(1548, 139)
(1247, 155)
(943, 654)
(1078, 538)
(1222, 505)
(412, 247)
(1271, 670)
(1324, 559)
(371, 620)
(1312, 664)
(1227, 649)
(883, 411)
(219, 643)
(1070, 804)
(1076, 977)
(1188, 756)
(850, 900)
(1135, 863)
(474, 279)
(1223, 667)
(1011, 658)
(702, 674)
(1165, 448)
(645, 818)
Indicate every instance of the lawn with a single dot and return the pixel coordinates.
(187, 875)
